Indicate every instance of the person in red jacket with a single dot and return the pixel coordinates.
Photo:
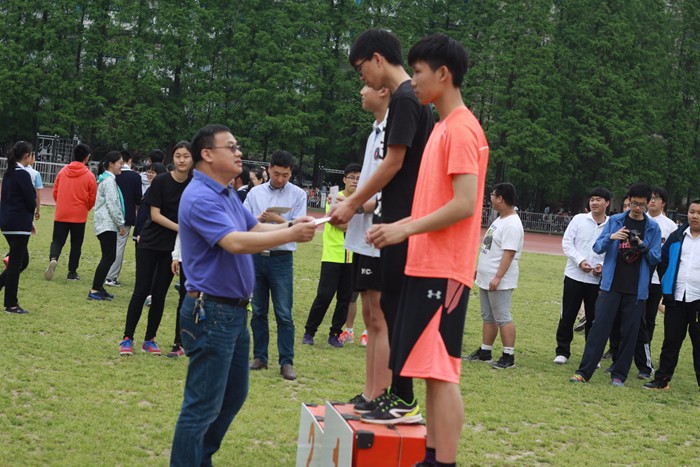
(74, 191)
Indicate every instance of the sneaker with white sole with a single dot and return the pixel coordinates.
(479, 355)
(126, 347)
(506, 361)
(363, 339)
(347, 337)
(560, 360)
(48, 274)
(150, 347)
(392, 411)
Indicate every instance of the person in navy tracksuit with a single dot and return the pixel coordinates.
(680, 285)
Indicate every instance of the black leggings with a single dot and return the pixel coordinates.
(60, 234)
(108, 245)
(183, 292)
(19, 259)
(153, 275)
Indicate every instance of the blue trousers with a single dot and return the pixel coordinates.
(217, 380)
(608, 306)
(273, 278)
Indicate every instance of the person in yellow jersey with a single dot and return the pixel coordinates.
(336, 273)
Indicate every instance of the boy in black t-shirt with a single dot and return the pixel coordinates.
(376, 55)
(631, 242)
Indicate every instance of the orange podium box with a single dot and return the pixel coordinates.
(344, 441)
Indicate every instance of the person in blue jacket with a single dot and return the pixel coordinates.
(631, 242)
(17, 207)
(680, 285)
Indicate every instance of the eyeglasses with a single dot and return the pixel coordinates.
(358, 67)
(494, 194)
(352, 178)
(233, 147)
(635, 204)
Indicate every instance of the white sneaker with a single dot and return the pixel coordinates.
(560, 360)
(48, 274)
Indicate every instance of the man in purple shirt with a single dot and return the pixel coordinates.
(218, 236)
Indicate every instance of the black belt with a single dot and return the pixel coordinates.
(275, 252)
(238, 302)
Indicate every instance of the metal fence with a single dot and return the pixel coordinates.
(533, 221)
(53, 148)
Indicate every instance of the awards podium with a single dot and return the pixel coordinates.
(332, 435)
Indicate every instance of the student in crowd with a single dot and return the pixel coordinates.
(680, 272)
(583, 270)
(108, 221)
(17, 210)
(336, 273)
(497, 277)
(129, 183)
(74, 191)
(154, 250)
(37, 182)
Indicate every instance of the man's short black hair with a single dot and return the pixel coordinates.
(157, 155)
(506, 191)
(660, 192)
(352, 167)
(640, 190)
(282, 158)
(601, 192)
(695, 201)
(204, 139)
(378, 41)
(126, 155)
(81, 152)
(439, 50)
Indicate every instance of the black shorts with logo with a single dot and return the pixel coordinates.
(366, 273)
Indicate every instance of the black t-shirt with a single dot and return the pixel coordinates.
(409, 123)
(626, 278)
(164, 193)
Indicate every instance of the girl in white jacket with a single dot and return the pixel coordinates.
(108, 220)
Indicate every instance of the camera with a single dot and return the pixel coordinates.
(633, 238)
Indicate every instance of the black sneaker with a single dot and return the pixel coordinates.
(16, 310)
(506, 361)
(358, 399)
(657, 384)
(393, 411)
(607, 355)
(370, 406)
(480, 355)
(105, 294)
(73, 276)
(581, 325)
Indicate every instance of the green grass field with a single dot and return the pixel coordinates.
(68, 398)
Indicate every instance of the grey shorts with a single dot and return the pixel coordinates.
(495, 306)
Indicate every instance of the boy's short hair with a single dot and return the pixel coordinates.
(281, 158)
(506, 191)
(441, 50)
(639, 190)
(378, 41)
(204, 139)
(353, 167)
(81, 152)
(660, 192)
(600, 192)
(156, 155)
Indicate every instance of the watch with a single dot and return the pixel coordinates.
(360, 210)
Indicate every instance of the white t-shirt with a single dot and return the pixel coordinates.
(36, 177)
(360, 223)
(504, 234)
(667, 228)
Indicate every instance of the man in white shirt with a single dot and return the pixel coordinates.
(497, 277)
(680, 285)
(583, 269)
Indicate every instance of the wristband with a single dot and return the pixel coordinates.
(360, 210)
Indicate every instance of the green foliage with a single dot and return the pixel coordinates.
(571, 94)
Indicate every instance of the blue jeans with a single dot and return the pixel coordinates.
(273, 276)
(217, 380)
